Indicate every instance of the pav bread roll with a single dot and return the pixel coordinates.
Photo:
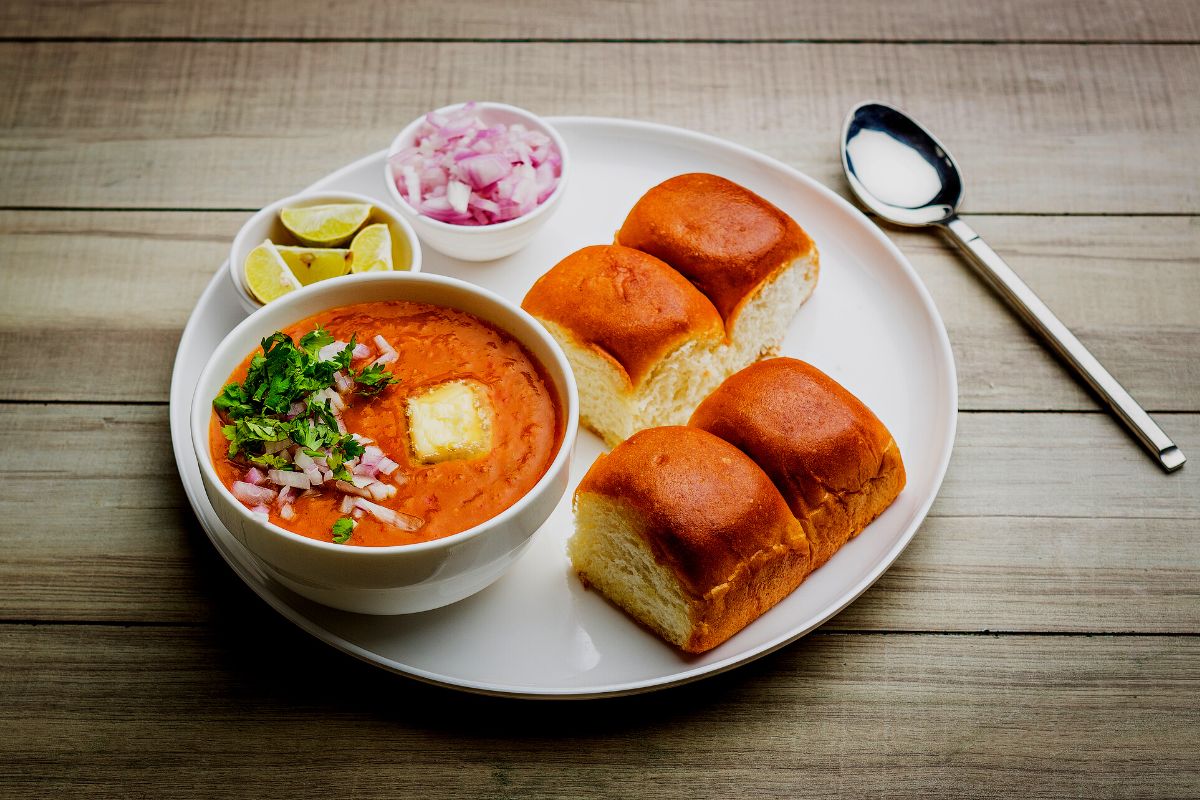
(645, 345)
(747, 256)
(833, 461)
(697, 531)
(686, 534)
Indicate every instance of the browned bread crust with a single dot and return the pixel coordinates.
(625, 305)
(723, 237)
(832, 459)
(713, 518)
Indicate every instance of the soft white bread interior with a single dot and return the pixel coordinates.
(646, 347)
(696, 531)
(687, 535)
(764, 316)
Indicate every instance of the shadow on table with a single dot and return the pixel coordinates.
(269, 663)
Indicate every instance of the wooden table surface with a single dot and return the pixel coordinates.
(1037, 639)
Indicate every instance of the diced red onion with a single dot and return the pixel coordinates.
(357, 513)
(384, 345)
(386, 358)
(255, 475)
(378, 490)
(387, 516)
(285, 496)
(350, 488)
(342, 382)
(360, 351)
(287, 512)
(347, 504)
(330, 351)
(363, 440)
(296, 410)
(365, 470)
(387, 466)
(464, 172)
(249, 493)
(296, 480)
(261, 509)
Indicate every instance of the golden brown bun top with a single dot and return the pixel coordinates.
(723, 237)
(708, 508)
(623, 303)
(802, 427)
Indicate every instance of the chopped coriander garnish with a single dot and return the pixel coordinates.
(342, 528)
(373, 379)
(283, 381)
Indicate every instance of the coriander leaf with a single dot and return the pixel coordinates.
(342, 528)
(374, 379)
(314, 341)
(273, 461)
(233, 401)
(351, 447)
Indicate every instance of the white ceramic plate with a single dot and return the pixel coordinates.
(536, 632)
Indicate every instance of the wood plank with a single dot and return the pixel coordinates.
(1094, 538)
(151, 125)
(1144, 329)
(249, 706)
(924, 20)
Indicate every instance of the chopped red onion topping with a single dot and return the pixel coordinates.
(297, 480)
(397, 519)
(464, 172)
(249, 494)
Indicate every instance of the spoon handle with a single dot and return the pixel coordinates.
(1038, 316)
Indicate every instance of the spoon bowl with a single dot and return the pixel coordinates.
(897, 169)
(901, 173)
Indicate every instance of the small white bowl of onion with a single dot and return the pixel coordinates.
(477, 180)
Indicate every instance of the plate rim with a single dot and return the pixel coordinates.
(180, 398)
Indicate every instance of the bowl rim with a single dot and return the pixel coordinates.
(309, 196)
(406, 133)
(201, 409)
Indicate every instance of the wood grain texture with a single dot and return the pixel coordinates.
(114, 282)
(1015, 541)
(237, 125)
(923, 20)
(246, 709)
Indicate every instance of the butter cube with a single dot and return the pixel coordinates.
(451, 420)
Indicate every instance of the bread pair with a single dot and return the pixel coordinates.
(696, 531)
(703, 279)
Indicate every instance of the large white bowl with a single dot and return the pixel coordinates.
(265, 224)
(403, 578)
(480, 242)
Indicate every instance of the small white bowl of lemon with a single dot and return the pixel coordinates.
(314, 237)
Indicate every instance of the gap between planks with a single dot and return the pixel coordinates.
(567, 40)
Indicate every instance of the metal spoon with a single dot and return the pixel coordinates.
(899, 171)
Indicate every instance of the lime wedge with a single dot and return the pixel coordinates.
(325, 226)
(267, 276)
(312, 264)
(372, 249)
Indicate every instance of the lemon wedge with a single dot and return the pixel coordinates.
(325, 226)
(312, 264)
(267, 275)
(372, 249)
